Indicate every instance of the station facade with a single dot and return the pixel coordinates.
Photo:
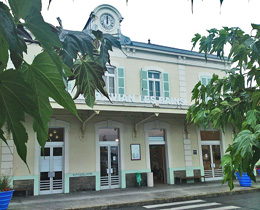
(142, 131)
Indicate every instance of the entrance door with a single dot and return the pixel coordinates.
(157, 160)
(157, 155)
(52, 163)
(211, 160)
(51, 169)
(109, 165)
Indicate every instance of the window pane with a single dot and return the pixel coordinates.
(204, 81)
(57, 151)
(56, 134)
(156, 135)
(150, 75)
(209, 135)
(156, 75)
(46, 152)
(111, 85)
(110, 70)
(151, 88)
(157, 88)
(109, 134)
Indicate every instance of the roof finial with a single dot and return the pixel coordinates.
(149, 41)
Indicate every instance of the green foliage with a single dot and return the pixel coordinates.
(5, 183)
(87, 73)
(234, 99)
(66, 55)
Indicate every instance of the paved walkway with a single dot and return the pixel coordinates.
(127, 197)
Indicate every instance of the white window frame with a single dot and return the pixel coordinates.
(154, 80)
(106, 79)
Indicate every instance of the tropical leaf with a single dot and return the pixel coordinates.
(43, 33)
(45, 79)
(21, 8)
(17, 55)
(244, 143)
(252, 117)
(7, 27)
(75, 42)
(3, 53)
(107, 42)
(16, 99)
(89, 77)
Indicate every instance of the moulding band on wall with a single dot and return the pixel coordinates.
(124, 172)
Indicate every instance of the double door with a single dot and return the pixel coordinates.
(211, 155)
(51, 168)
(109, 165)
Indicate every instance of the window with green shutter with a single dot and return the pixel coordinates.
(110, 79)
(154, 83)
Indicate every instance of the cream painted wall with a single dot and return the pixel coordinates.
(20, 168)
(192, 130)
(177, 144)
(133, 74)
(81, 152)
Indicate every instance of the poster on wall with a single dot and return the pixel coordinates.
(135, 152)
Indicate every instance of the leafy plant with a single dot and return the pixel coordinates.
(66, 55)
(233, 100)
(5, 183)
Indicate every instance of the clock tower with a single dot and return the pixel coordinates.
(105, 18)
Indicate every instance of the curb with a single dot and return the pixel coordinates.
(169, 199)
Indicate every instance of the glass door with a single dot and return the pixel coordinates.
(51, 169)
(216, 159)
(211, 157)
(109, 166)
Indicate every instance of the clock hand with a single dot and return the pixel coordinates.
(107, 19)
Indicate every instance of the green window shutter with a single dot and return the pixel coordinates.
(166, 85)
(121, 80)
(144, 82)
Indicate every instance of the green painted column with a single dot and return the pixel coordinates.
(67, 183)
(170, 175)
(97, 181)
(36, 184)
(123, 179)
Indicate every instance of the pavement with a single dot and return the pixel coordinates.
(119, 198)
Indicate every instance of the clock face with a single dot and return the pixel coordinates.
(107, 21)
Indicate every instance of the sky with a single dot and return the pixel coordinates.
(165, 22)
